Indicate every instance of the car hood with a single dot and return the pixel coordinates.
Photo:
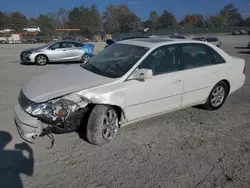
(34, 49)
(62, 81)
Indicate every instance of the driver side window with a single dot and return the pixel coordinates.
(163, 60)
(59, 45)
(55, 46)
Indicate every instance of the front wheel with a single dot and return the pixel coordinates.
(41, 60)
(217, 97)
(102, 125)
(85, 59)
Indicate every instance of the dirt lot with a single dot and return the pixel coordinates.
(188, 148)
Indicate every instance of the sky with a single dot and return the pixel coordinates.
(142, 8)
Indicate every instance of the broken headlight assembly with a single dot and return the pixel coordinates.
(61, 114)
(36, 109)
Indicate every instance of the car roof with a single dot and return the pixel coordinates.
(68, 41)
(154, 42)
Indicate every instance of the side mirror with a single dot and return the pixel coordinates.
(142, 74)
(109, 41)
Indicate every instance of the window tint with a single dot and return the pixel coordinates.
(78, 44)
(55, 46)
(59, 45)
(217, 57)
(211, 40)
(163, 60)
(63, 45)
(71, 45)
(196, 55)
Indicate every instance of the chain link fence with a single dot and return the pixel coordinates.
(181, 31)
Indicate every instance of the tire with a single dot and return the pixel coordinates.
(41, 60)
(85, 58)
(215, 101)
(3, 42)
(97, 132)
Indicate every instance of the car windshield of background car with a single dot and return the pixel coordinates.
(116, 60)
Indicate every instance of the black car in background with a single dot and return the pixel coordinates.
(177, 37)
(110, 41)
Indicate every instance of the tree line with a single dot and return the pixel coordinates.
(119, 19)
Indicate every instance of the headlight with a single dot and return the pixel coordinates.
(40, 109)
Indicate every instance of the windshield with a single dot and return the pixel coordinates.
(46, 45)
(115, 60)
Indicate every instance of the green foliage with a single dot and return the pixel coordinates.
(86, 19)
(217, 21)
(231, 15)
(17, 21)
(3, 20)
(118, 18)
(167, 20)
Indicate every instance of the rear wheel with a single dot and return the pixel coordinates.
(102, 125)
(41, 60)
(217, 97)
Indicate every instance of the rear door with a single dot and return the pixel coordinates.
(200, 73)
(73, 51)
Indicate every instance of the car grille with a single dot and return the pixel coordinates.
(25, 56)
(23, 100)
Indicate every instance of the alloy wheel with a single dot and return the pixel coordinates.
(110, 125)
(218, 95)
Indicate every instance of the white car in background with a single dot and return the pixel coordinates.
(5, 31)
(32, 29)
(61, 51)
(214, 40)
(129, 81)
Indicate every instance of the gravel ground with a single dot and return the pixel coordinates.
(187, 148)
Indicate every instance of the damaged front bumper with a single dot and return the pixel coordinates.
(29, 128)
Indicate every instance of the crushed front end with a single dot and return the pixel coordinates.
(61, 115)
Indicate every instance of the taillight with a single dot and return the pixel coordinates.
(244, 70)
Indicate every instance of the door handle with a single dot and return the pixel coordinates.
(176, 80)
(64, 50)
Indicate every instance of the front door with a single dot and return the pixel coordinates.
(57, 51)
(161, 93)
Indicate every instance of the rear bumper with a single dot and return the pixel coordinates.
(237, 83)
(28, 127)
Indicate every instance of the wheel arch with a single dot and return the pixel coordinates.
(226, 82)
(119, 110)
(43, 55)
(228, 85)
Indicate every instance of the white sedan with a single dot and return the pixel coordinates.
(129, 81)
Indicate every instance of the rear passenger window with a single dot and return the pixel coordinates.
(196, 55)
(163, 60)
(217, 57)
